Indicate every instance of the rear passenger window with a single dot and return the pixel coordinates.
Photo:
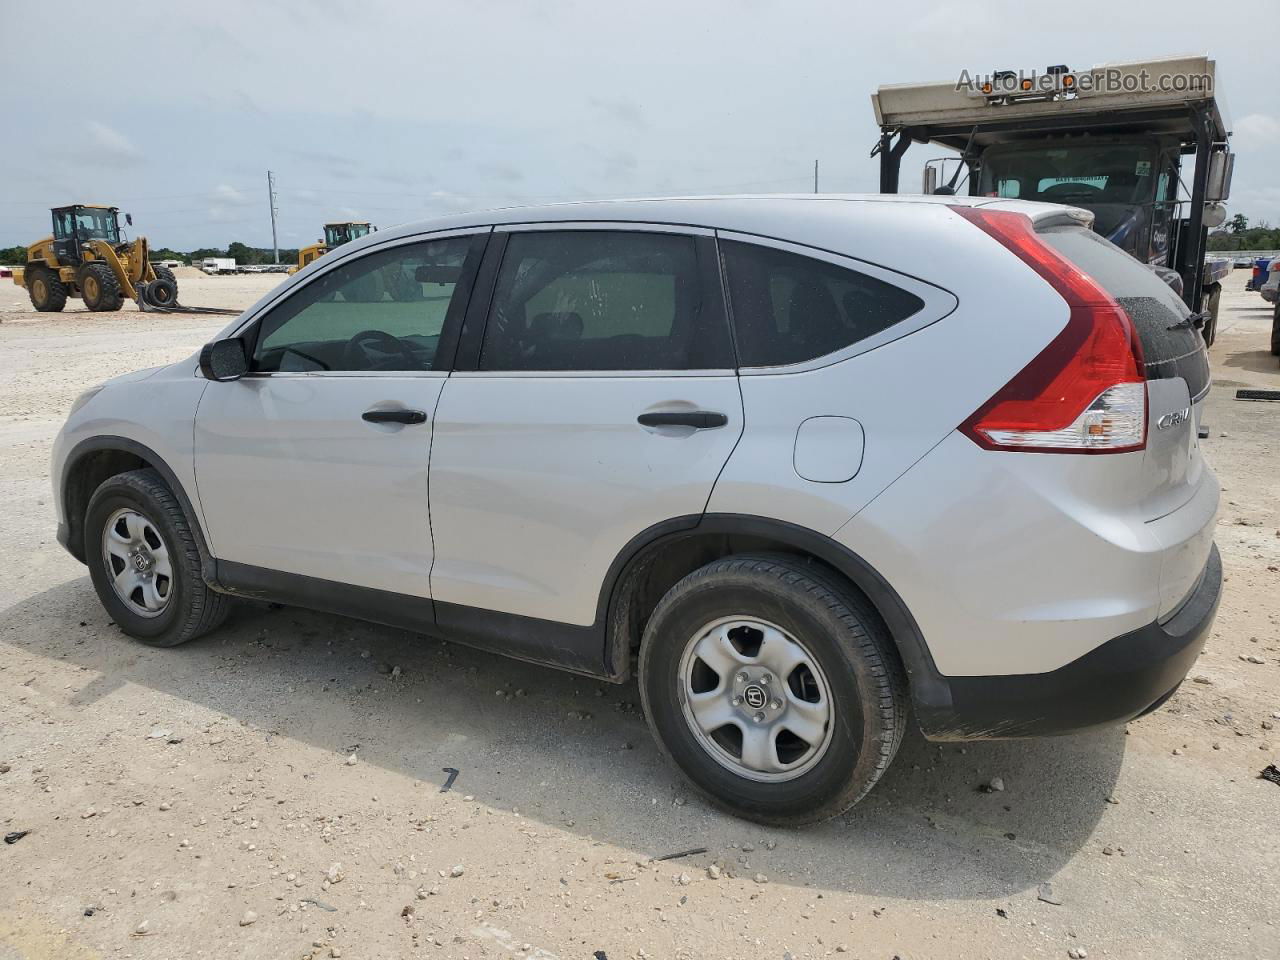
(602, 300)
(789, 308)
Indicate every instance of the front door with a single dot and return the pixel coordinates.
(603, 400)
(316, 462)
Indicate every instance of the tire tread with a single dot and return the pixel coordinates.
(817, 585)
(206, 608)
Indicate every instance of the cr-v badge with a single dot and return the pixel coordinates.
(1174, 418)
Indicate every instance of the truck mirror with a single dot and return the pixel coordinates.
(1215, 215)
(930, 182)
(1221, 166)
(128, 218)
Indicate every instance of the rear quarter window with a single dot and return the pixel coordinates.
(788, 308)
(1152, 306)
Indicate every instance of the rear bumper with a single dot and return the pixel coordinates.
(1123, 678)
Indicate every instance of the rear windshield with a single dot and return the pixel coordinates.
(1151, 304)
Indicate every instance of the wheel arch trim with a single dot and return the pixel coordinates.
(108, 443)
(929, 691)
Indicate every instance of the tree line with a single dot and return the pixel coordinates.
(240, 252)
(1236, 234)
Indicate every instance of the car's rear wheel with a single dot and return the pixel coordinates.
(774, 687)
(145, 564)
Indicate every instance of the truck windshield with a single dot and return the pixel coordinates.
(336, 234)
(1115, 173)
(1122, 183)
(98, 224)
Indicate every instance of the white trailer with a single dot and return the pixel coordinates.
(218, 265)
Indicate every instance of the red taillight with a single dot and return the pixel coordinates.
(1083, 393)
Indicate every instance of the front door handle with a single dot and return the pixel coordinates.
(394, 416)
(698, 419)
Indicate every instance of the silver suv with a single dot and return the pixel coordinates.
(804, 466)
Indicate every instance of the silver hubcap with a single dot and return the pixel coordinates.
(137, 562)
(756, 699)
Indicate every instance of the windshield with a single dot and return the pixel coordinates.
(97, 224)
(336, 234)
(1127, 186)
(1111, 173)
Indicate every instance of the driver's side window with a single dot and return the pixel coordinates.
(381, 311)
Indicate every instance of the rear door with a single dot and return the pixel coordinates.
(595, 397)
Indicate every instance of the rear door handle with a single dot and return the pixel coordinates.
(394, 416)
(698, 419)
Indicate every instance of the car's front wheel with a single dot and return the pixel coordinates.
(145, 564)
(774, 687)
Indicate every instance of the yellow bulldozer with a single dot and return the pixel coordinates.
(86, 257)
(335, 235)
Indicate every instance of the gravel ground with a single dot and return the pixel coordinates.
(274, 790)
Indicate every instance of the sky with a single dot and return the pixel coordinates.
(393, 111)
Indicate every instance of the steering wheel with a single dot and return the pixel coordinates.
(357, 356)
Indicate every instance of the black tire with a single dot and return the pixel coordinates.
(1212, 301)
(48, 294)
(191, 608)
(162, 292)
(164, 273)
(849, 643)
(99, 287)
(1275, 332)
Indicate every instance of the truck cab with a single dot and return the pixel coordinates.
(1111, 140)
(336, 234)
(1128, 183)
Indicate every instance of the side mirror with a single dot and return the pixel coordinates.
(224, 360)
(1221, 166)
(128, 218)
(1215, 215)
(930, 183)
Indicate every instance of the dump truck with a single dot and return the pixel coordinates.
(1110, 140)
(335, 235)
(87, 257)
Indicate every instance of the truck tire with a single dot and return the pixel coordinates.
(164, 273)
(99, 287)
(162, 291)
(1275, 332)
(774, 687)
(48, 294)
(144, 562)
(1212, 299)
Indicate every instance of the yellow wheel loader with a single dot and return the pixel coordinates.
(335, 235)
(85, 257)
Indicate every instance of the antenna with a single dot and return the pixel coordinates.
(271, 201)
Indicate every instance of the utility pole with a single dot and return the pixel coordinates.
(815, 176)
(271, 200)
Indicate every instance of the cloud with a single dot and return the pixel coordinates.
(111, 147)
(227, 194)
(1257, 128)
(227, 204)
(621, 109)
(501, 171)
